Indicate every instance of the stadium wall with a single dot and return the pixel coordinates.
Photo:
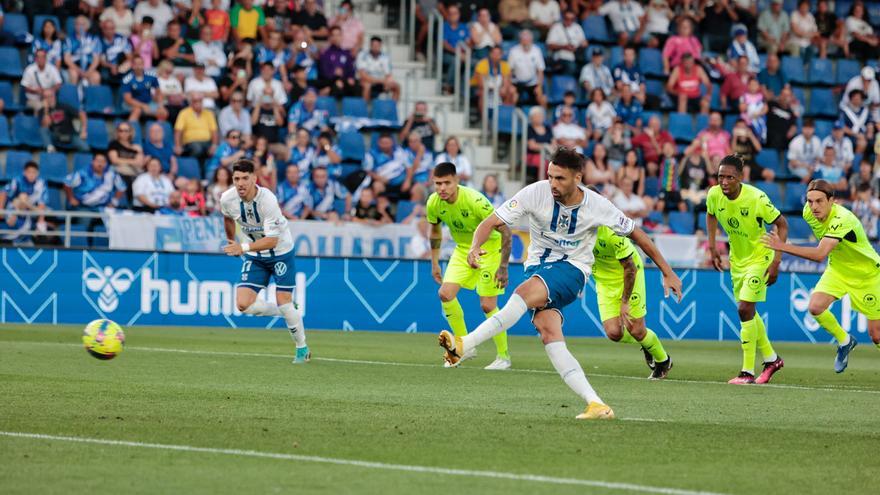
(158, 288)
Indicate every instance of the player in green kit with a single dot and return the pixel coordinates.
(462, 209)
(743, 211)
(853, 266)
(620, 291)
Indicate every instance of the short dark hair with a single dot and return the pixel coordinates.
(821, 185)
(335, 28)
(445, 169)
(568, 158)
(244, 165)
(375, 38)
(735, 161)
(267, 64)
(31, 164)
(864, 186)
(102, 154)
(808, 122)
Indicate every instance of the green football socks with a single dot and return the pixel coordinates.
(764, 344)
(500, 339)
(652, 344)
(455, 317)
(830, 324)
(627, 338)
(749, 336)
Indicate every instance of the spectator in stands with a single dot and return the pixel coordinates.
(157, 10)
(772, 78)
(140, 92)
(627, 74)
(121, 15)
(527, 66)
(258, 87)
(684, 85)
(265, 162)
(275, 52)
(658, 17)
(630, 203)
(781, 121)
(568, 133)
(227, 153)
(82, 53)
(195, 131)
(156, 147)
(513, 15)
(199, 82)
(126, 156)
(843, 147)
(856, 116)
(248, 21)
(192, 198)
(493, 74)
(567, 41)
(299, 83)
(694, 180)
(387, 163)
(629, 110)
(596, 74)
(369, 211)
(170, 89)
(863, 42)
(152, 188)
(419, 121)
(374, 72)
(747, 145)
(174, 48)
(867, 207)
(312, 20)
(630, 170)
(419, 161)
(568, 101)
(491, 190)
(677, 45)
(236, 117)
(115, 53)
(218, 18)
(174, 206)
(544, 14)
(304, 52)
(302, 153)
(321, 194)
(598, 172)
(41, 82)
(57, 126)
(209, 52)
(669, 197)
(95, 187)
(26, 193)
(144, 42)
(452, 154)
(454, 32)
(736, 80)
(617, 142)
(539, 137)
(336, 68)
(753, 109)
(305, 114)
(831, 31)
(267, 118)
(650, 142)
(714, 140)
(352, 27)
(716, 20)
(774, 28)
(329, 156)
(291, 194)
(827, 170)
(50, 41)
(740, 46)
(484, 34)
(804, 151)
(600, 114)
(866, 81)
(627, 19)
(864, 177)
(804, 39)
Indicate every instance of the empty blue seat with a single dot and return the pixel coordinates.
(69, 95)
(800, 95)
(595, 29)
(328, 103)
(9, 102)
(99, 100)
(701, 222)
(821, 71)
(26, 131)
(651, 62)
(798, 227)
(823, 127)
(39, 20)
(768, 158)
(771, 189)
(404, 209)
(15, 24)
(55, 201)
(730, 121)
(615, 57)
(98, 138)
(842, 8)
(82, 161)
(351, 145)
(53, 166)
(793, 68)
(846, 70)
(681, 126)
(10, 63)
(168, 131)
(795, 196)
(15, 161)
(339, 206)
(188, 167)
(505, 119)
(559, 85)
(385, 110)
(5, 137)
(353, 106)
(681, 222)
(822, 103)
(652, 187)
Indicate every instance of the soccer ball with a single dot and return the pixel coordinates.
(103, 339)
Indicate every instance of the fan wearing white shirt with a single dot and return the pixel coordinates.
(152, 188)
(40, 80)
(626, 19)
(544, 13)
(567, 132)
(805, 151)
(565, 39)
(452, 154)
(199, 82)
(209, 53)
(600, 114)
(527, 67)
(266, 77)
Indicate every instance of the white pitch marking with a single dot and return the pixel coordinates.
(630, 487)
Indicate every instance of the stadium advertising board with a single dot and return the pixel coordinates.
(151, 288)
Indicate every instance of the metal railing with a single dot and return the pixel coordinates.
(64, 229)
(434, 66)
(462, 80)
(407, 19)
(519, 144)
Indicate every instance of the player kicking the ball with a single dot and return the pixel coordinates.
(462, 209)
(853, 266)
(743, 211)
(268, 254)
(563, 218)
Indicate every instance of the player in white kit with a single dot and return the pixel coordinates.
(268, 252)
(563, 219)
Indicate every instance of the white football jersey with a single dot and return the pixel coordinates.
(257, 219)
(562, 233)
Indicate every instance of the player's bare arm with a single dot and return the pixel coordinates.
(671, 282)
(501, 276)
(229, 227)
(436, 240)
(712, 231)
(481, 235)
(815, 253)
(780, 227)
(629, 281)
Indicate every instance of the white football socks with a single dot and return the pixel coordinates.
(505, 318)
(262, 308)
(570, 371)
(294, 323)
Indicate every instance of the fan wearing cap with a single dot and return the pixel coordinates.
(596, 75)
(867, 82)
(742, 47)
(843, 146)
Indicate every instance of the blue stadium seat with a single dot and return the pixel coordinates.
(98, 138)
(822, 103)
(846, 70)
(189, 167)
(701, 221)
(842, 7)
(652, 187)
(5, 137)
(39, 20)
(798, 227)
(404, 208)
(615, 57)
(656, 217)
(651, 62)
(99, 100)
(9, 101)
(559, 85)
(715, 102)
(15, 24)
(15, 161)
(53, 166)
(10, 63)
(78, 241)
(771, 189)
(793, 68)
(702, 122)
(800, 95)
(82, 161)
(339, 206)
(354, 106)
(681, 126)
(351, 145)
(69, 95)
(596, 30)
(328, 103)
(681, 222)
(768, 158)
(795, 196)
(505, 119)
(385, 110)
(823, 127)
(168, 135)
(55, 201)
(730, 121)
(655, 87)
(26, 131)
(821, 72)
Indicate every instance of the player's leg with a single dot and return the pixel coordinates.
(254, 278)
(488, 290)
(548, 322)
(829, 289)
(285, 280)
(608, 299)
(638, 308)
(448, 295)
(750, 287)
(874, 332)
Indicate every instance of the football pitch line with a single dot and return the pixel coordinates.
(500, 475)
(423, 365)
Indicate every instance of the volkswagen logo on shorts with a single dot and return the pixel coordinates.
(280, 268)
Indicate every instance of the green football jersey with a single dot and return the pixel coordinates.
(744, 220)
(463, 217)
(609, 249)
(853, 256)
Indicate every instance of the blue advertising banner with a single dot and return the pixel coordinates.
(151, 288)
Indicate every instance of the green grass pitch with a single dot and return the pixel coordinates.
(224, 411)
